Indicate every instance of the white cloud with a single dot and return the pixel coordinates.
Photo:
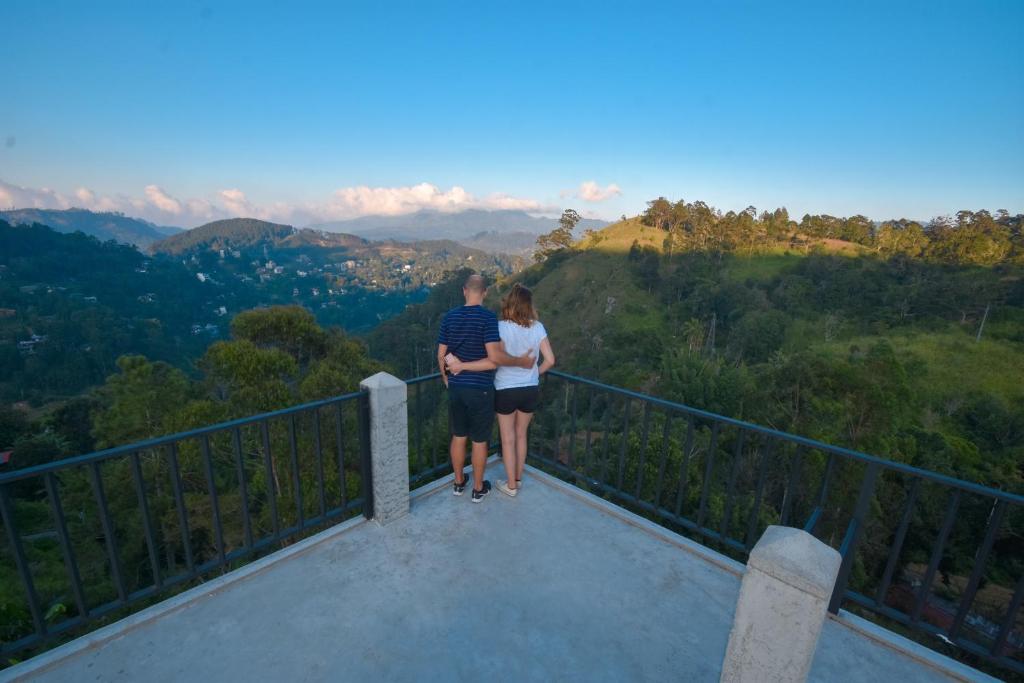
(590, 191)
(159, 206)
(234, 201)
(163, 201)
(14, 196)
(394, 201)
(349, 202)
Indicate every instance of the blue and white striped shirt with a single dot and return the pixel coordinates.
(465, 331)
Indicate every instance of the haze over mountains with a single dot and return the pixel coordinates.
(496, 232)
(517, 230)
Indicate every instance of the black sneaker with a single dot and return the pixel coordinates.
(461, 488)
(478, 496)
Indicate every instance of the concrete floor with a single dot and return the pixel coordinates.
(541, 587)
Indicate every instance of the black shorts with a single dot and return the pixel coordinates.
(472, 412)
(523, 399)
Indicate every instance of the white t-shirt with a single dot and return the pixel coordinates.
(518, 340)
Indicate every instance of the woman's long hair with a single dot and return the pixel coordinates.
(517, 306)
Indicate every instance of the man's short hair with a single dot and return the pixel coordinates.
(475, 283)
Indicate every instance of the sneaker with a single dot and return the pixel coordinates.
(459, 489)
(478, 496)
(503, 487)
(519, 484)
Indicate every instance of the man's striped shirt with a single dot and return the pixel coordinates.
(465, 331)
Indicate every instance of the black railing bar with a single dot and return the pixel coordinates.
(606, 455)
(666, 430)
(70, 563)
(1010, 620)
(928, 629)
(366, 475)
(838, 450)
(179, 504)
(647, 507)
(339, 441)
(980, 558)
(14, 538)
(108, 528)
(268, 466)
(730, 494)
(709, 467)
(812, 521)
(587, 448)
(147, 521)
(418, 425)
(644, 436)
(170, 438)
(897, 544)
(937, 550)
(790, 493)
(825, 477)
(572, 427)
(318, 449)
(243, 486)
(854, 532)
(556, 448)
(628, 406)
(218, 529)
(293, 448)
(423, 378)
(684, 467)
(444, 429)
(762, 474)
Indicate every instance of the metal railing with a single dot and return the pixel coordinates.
(723, 481)
(204, 500)
(429, 430)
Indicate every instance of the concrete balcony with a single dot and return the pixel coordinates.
(555, 584)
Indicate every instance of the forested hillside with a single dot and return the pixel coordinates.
(70, 305)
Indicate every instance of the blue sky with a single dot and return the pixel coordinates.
(185, 111)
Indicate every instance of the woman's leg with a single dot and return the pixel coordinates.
(522, 426)
(507, 428)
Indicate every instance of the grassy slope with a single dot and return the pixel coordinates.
(953, 363)
(572, 301)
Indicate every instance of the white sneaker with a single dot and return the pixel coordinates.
(503, 487)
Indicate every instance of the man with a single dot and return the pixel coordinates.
(470, 332)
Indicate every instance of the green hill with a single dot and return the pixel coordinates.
(817, 336)
(231, 233)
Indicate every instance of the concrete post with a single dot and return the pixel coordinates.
(782, 607)
(389, 446)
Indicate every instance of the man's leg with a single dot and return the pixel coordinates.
(479, 464)
(457, 451)
(481, 424)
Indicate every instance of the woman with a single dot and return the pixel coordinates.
(517, 390)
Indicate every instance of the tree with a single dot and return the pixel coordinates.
(138, 401)
(558, 239)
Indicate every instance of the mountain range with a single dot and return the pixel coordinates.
(518, 226)
(102, 226)
(496, 232)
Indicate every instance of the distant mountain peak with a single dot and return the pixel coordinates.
(464, 226)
